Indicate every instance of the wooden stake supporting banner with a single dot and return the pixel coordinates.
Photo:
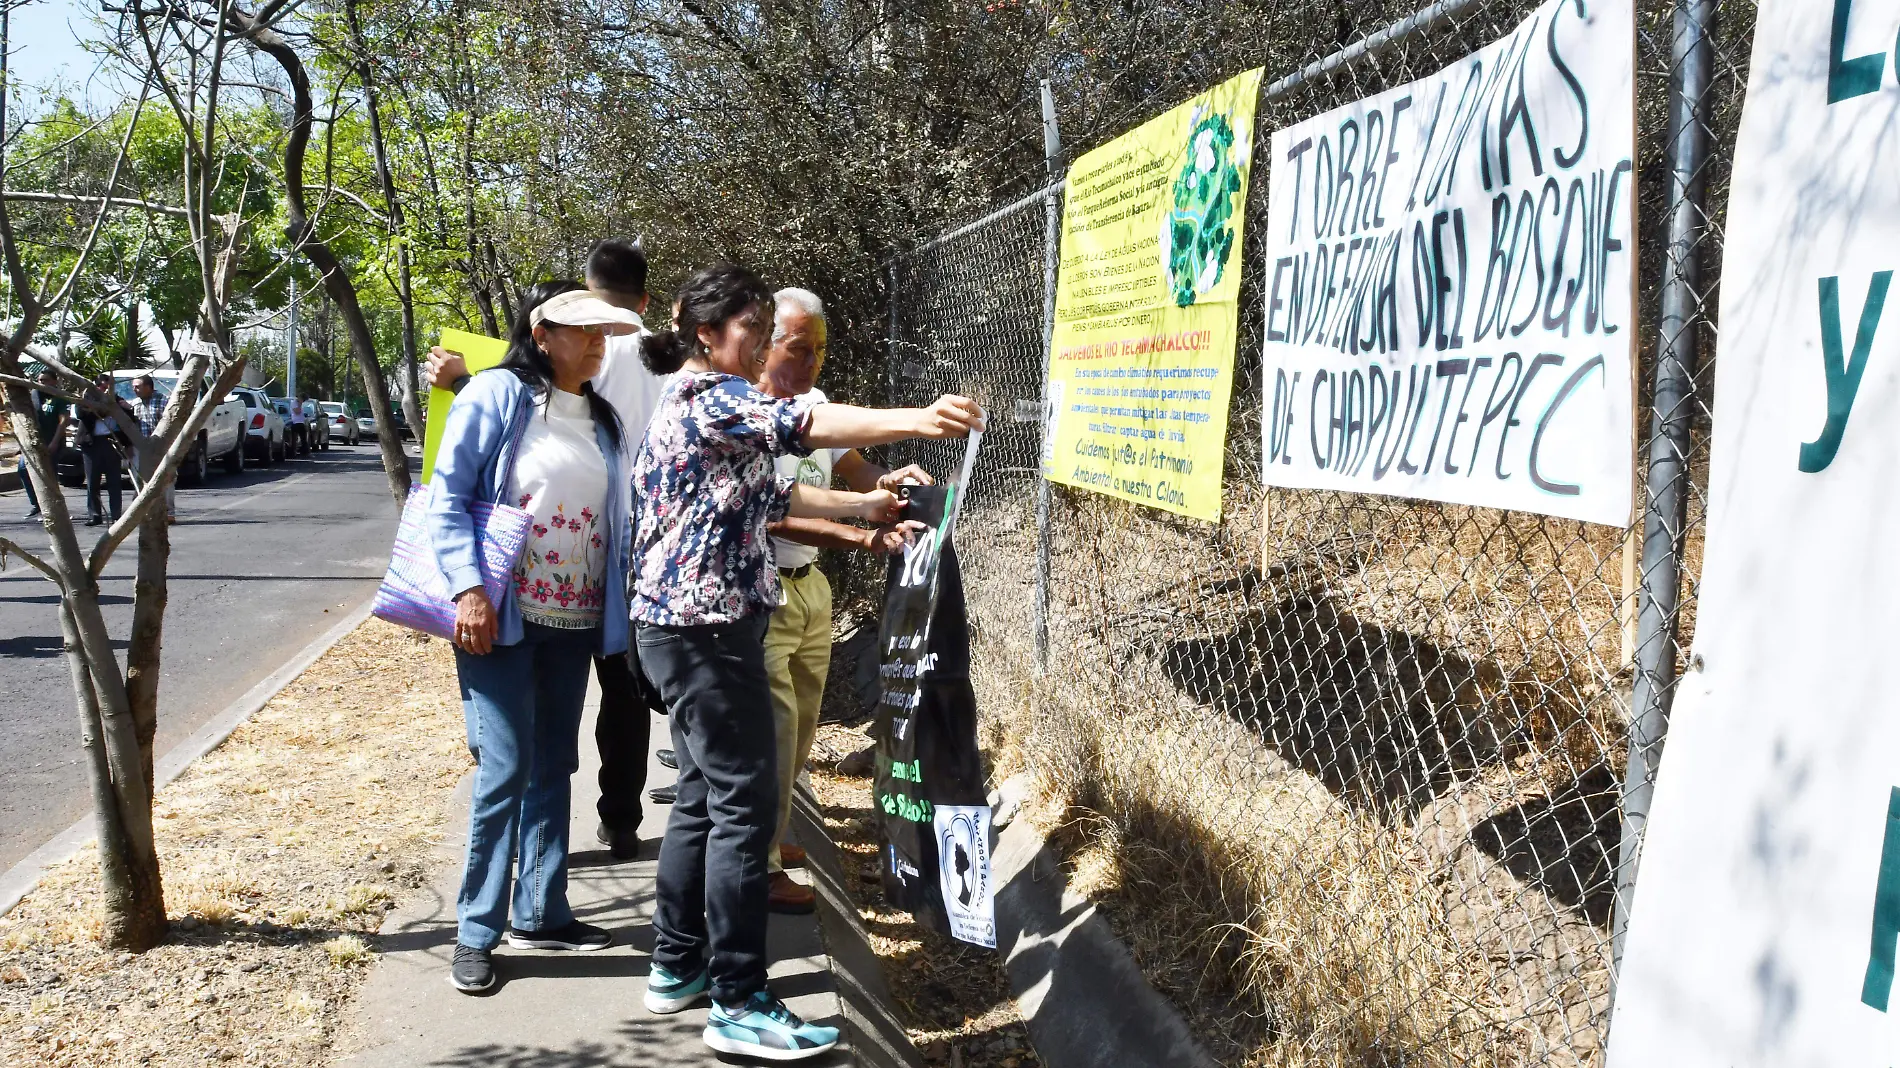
(1632, 584)
(1266, 529)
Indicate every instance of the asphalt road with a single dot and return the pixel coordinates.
(262, 563)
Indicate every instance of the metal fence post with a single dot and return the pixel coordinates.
(1051, 251)
(1672, 418)
(891, 358)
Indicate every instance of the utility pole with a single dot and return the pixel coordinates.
(290, 348)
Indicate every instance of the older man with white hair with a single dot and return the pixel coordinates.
(798, 639)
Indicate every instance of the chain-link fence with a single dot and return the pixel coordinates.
(1354, 774)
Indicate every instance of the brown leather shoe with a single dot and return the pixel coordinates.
(789, 897)
(792, 856)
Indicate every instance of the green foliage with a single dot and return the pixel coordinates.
(809, 139)
(111, 343)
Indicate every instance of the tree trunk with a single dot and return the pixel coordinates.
(303, 236)
(483, 301)
(132, 339)
(135, 899)
(363, 346)
(392, 209)
(412, 399)
(128, 883)
(506, 293)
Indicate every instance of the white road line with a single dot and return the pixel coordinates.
(275, 486)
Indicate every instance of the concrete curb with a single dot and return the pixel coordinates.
(873, 1035)
(20, 879)
(1084, 997)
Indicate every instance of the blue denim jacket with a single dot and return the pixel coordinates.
(488, 416)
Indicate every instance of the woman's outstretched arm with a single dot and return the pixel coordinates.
(877, 506)
(846, 426)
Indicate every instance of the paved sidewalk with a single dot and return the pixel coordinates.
(562, 1010)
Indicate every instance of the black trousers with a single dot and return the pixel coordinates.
(102, 470)
(621, 731)
(712, 884)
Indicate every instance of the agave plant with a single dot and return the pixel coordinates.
(111, 343)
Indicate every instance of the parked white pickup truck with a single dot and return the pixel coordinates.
(222, 438)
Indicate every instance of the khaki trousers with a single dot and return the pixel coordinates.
(797, 659)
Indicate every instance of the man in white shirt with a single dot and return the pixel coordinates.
(798, 639)
(617, 273)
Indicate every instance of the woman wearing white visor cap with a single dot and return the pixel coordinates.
(532, 433)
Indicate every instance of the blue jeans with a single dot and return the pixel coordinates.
(523, 706)
(32, 499)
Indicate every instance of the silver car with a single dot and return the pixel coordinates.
(343, 426)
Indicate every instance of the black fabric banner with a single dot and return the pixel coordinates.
(929, 784)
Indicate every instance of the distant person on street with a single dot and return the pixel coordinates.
(798, 639)
(297, 433)
(617, 274)
(311, 413)
(703, 583)
(148, 408)
(99, 451)
(532, 434)
(47, 415)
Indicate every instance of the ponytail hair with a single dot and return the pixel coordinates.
(711, 297)
(664, 351)
(536, 370)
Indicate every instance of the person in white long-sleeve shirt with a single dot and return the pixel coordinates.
(617, 273)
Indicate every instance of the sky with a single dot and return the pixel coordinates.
(45, 49)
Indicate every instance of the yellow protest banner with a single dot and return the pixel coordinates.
(480, 353)
(1141, 365)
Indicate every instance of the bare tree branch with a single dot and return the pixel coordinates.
(105, 203)
(9, 547)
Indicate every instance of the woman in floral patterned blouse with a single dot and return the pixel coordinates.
(703, 583)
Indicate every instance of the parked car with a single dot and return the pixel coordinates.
(366, 422)
(343, 426)
(222, 437)
(263, 427)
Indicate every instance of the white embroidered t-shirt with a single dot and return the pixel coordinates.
(813, 470)
(561, 477)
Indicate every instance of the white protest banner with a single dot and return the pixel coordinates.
(1449, 279)
(963, 872)
(1767, 905)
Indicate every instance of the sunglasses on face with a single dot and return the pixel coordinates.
(602, 329)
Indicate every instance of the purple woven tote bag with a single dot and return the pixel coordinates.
(415, 593)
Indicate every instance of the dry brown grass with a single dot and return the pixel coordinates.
(1348, 802)
(282, 850)
(954, 998)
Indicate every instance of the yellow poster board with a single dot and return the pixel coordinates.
(1141, 365)
(480, 353)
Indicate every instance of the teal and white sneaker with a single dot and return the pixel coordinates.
(764, 1028)
(668, 993)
